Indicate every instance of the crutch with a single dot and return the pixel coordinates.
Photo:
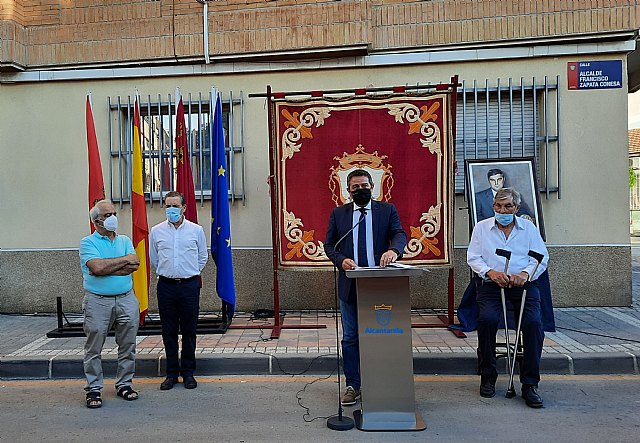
(507, 256)
(511, 392)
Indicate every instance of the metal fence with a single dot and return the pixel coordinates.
(157, 133)
(510, 120)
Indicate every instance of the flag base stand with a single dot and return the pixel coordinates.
(67, 329)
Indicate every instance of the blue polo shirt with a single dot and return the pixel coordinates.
(100, 246)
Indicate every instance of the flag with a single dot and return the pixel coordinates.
(140, 227)
(184, 184)
(96, 183)
(220, 220)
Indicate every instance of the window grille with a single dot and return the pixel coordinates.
(157, 134)
(510, 120)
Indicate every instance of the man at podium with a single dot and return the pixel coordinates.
(361, 233)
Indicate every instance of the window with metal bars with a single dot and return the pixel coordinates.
(157, 133)
(510, 120)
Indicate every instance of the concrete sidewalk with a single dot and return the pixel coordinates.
(587, 341)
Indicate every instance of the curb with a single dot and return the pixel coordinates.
(64, 367)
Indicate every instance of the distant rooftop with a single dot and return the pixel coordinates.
(634, 142)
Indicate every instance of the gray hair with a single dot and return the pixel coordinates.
(94, 213)
(506, 193)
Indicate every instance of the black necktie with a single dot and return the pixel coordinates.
(362, 239)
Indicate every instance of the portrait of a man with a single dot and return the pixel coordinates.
(484, 199)
(487, 176)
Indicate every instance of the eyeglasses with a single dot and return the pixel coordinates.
(108, 214)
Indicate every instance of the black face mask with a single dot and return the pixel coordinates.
(361, 196)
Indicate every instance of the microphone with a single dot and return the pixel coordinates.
(364, 211)
(340, 422)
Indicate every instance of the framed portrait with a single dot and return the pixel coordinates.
(486, 176)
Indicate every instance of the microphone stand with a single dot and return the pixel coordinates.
(340, 422)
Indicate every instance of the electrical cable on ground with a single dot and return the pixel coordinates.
(599, 335)
(252, 345)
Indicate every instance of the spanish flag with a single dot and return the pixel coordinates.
(139, 219)
(96, 183)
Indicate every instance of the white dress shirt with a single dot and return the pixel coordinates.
(487, 237)
(368, 220)
(178, 252)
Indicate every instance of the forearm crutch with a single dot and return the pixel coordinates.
(507, 256)
(511, 392)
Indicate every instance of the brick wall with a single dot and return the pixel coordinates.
(59, 32)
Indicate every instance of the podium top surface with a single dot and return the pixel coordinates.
(389, 271)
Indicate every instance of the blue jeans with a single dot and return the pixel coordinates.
(350, 346)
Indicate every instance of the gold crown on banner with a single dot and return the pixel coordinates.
(382, 307)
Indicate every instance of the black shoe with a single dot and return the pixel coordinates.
(487, 386)
(168, 383)
(531, 396)
(189, 381)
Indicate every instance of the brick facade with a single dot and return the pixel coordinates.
(50, 33)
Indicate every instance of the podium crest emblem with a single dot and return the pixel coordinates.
(383, 314)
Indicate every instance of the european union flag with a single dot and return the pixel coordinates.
(220, 222)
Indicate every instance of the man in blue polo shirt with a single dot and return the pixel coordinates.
(107, 261)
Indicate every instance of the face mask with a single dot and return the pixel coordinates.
(173, 214)
(504, 219)
(110, 223)
(361, 196)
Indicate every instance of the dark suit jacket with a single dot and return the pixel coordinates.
(387, 234)
(484, 206)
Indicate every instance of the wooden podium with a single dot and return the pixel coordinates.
(386, 352)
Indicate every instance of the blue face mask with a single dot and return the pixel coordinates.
(173, 214)
(504, 219)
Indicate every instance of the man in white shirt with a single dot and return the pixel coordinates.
(507, 231)
(178, 251)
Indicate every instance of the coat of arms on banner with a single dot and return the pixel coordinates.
(403, 141)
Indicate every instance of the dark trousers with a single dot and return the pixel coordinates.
(179, 305)
(490, 314)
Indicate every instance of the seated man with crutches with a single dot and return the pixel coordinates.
(507, 255)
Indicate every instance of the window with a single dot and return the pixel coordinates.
(510, 120)
(157, 133)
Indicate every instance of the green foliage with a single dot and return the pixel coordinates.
(633, 178)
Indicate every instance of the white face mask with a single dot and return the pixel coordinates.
(110, 223)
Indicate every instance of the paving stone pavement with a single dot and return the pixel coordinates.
(587, 340)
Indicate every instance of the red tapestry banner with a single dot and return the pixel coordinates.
(404, 142)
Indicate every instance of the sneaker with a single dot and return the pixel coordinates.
(350, 396)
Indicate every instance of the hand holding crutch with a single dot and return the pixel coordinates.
(511, 392)
(507, 256)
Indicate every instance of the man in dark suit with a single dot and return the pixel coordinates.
(484, 199)
(362, 233)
